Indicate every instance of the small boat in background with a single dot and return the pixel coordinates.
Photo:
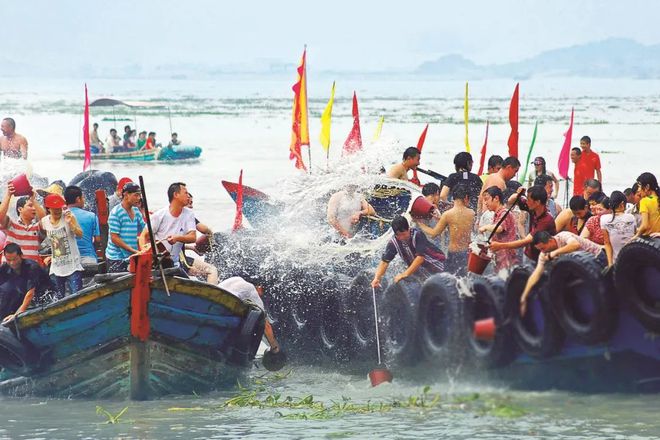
(163, 154)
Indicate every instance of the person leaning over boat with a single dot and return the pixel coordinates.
(414, 248)
(125, 223)
(553, 246)
(196, 266)
(540, 220)
(463, 165)
(12, 144)
(174, 225)
(648, 204)
(345, 208)
(89, 224)
(411, 158)
(458, 221)
(21, 280)
(25, 230)
(61, 230)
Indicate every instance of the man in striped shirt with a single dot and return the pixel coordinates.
(125, 223)
(25, 230)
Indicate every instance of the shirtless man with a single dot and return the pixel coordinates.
(12, 144)
(459, 219)
(509, 169)
(345, 208)
(410, 161)
(573, 219)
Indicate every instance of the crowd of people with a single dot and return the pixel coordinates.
(131, 141)
(518, 224)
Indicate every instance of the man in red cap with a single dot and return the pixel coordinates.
(61, 229)
(116, 197)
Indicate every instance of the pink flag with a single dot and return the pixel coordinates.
(88, 152)
(513, 121)
(238, 220)
(420, 145)
(354, 141)
(565, 155)
(482, 161)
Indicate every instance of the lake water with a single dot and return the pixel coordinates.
(244, 123)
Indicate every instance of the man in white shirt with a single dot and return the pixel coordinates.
(174, 226)
(345, 208)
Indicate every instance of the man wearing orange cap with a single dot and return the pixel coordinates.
(62, 229)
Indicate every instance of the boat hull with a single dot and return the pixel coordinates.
(165, 154)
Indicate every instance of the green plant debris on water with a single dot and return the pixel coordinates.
(259, 396)
(111, 419)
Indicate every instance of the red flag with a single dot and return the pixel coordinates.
(565, 155)
(420, 145)
(482, 161)
(238, 220)
(88, 152)
(354, 141)
(299, 127)
(513, 121)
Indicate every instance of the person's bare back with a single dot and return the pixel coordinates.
(459, 221)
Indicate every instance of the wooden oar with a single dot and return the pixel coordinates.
(504, 216)
(151, 235)
(432, 173)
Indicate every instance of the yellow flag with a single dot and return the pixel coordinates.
(379, 128)
(325, 121)
(467, 143)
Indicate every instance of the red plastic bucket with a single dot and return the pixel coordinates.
(477, 263)
(202, 245)
(484, 329)
(421, 208)
(379, 375)
(21, 185)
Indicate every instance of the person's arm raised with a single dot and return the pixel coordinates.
(4, 206)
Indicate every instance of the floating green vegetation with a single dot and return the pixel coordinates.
(111, 419)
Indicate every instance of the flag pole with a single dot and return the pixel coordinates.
(309, 145)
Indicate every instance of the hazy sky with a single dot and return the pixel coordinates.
(340, 34)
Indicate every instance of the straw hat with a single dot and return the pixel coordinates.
(53, 188)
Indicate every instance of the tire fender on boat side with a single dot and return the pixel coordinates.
(250, 334)
(15, 356)
(488, 302)
(360, 314)
(538, 333)
(637, 277)
(398, 318)
(335, 331)
(583, 299)
(441, 335)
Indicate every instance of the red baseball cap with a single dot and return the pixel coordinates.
(123, 181)
(54, 201)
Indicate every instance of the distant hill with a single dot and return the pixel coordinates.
(612, 58)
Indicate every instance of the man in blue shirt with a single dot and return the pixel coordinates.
(88, 222)
(125, 223)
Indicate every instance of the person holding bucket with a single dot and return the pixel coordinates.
(25, 230)
(62, 229)
(414, 248)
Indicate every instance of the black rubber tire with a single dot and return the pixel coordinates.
(440, 333)
(360, 314)
(398, 316)
(537, 339)
(334, 329)
(582, 299)
(248, 338)
(488, 301)
(16, 356)
(637, 277)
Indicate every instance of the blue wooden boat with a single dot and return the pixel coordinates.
(163, 154)
(126, 336)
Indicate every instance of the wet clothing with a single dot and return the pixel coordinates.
(573, 224)
(543, 222)
(620, 230)
(595, 232)
(14, 286)
(505, 258)
(417, 246)
(589, 246)
(473, 183)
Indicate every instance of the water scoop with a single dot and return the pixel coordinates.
(484, 329)
(379, 374)
(274, 361)
(21, 186)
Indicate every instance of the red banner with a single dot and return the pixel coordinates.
(513, 121)
(238, 220)
(420, 145)
(88, 152)
(299, 127)
(482, 161)
(565, 155)
(354, 141)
